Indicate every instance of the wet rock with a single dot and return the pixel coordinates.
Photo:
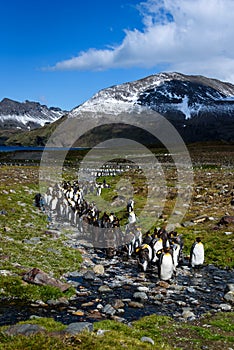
(181, 303)
(118, 304)
(229, 296)
(109, 310)
(135, 305)
(230, 287)
(74, 274)
(225, 307)
(115, 284)
(158, 297)
(88, 304)
(143, 289)
(89, 275)
(163, 284)
(40, 303)
(118, 319)
(187, 314)
(58, 302)
(177, 287)
(148, 340)
(39, 277)
(87, 262)
(140, 295)
(24, 329)
(191, 290)
(99, 269)
(78, 313)
(78, 327)
(104, 289)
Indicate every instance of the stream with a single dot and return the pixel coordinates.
(125, 294)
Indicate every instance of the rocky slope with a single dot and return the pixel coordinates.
(27, 115)
(200, 108)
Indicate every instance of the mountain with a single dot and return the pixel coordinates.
(27, 115)
(200, 108)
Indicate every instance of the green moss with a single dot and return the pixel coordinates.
(12, 286)
(48, 323)
(211, 331)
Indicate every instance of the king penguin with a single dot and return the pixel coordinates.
(197, 253)
(166, 265)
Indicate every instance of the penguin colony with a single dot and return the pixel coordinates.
(162, 249)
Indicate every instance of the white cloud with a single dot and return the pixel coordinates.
(192, 36)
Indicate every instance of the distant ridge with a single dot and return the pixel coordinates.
(200, 108)
(26, 115)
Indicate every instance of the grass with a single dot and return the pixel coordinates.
(22, 221)
(13, 287)
(214, 331)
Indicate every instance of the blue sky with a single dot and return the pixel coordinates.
(60, 53)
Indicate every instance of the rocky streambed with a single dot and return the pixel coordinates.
(114, 288)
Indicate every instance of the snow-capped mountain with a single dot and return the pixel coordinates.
(26, 115)
(200, 108)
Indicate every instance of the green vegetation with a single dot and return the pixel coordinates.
(12, 286)
(20, 223)
(214, 332)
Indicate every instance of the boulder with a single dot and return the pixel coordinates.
(140, 295)
(99, 269)
(24, 329)
(229, 297)
(78, 327)
(39, 277)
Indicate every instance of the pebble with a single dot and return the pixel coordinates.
(78, 313)
(118, 304)
(90, 303)
(104, 289)
(140, 295)
(188, 314)
(230, 287)
(33, 240)
(135, 305)
(148, 340)
(225, 307)
(143, 289)
(109, 310)
(99, 269)
(229, 296)
(89, 275)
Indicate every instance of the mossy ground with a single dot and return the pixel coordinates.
(211, 332)
(23, 221)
